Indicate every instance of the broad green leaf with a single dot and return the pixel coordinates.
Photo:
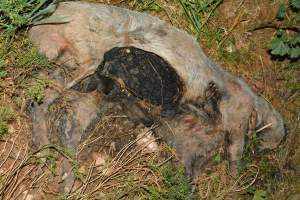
(278, 47)
(281, 11)
(295, 40)
(282, 34)
(295, 53)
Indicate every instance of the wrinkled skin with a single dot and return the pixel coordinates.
(195, 141)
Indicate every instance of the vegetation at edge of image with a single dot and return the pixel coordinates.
(17, 14)
(6, 114)
(145, 5)
(198, 12)
(175, 185)
(286, 42)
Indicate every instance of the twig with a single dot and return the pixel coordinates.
(264, 127)
(88, 177)
(210, 13)
(240, 178)
(165, 161)
(235, 23)
(12, 146)
(274, 25)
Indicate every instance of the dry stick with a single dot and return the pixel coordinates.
(13, 174)
(9, 184)
(165, 161)
(13, 164)
(113, 175)
(264, 127)
(37, 179)
(118, 2)
(211, 12)
(20, 181)
(168, 15)
(247, 186)
(133, 157)
(117, 160)
(126, 193)
(126, 147)
(116, 174)
(274, 25)
(170, 128)
(88, 143)
(3, 149)
(12, 146)
(21, 192)
(7, 181)
(248, 175)
(235, 23)
(117, 171)
(89, 175)
(147, 171)
(102, 175)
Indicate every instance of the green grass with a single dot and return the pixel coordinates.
(7, 114)
(36, 91)
(19, 56)
(211, 36)
(145, 5)
(3, 128)
(198, 12)
(21, 59)
(18, 14)
(175, 185)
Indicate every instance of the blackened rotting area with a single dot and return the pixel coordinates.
(88, 84)
(145, 75)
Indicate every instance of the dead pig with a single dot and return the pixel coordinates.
(95, 29)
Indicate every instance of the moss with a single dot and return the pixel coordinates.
(7, 113)
(36, 91)
(3, 128)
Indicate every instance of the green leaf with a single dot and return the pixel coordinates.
(3, 74)
(295, 40)
(217, 158)
(295, 4)
(3, 128)
(295, 53)
(260, 195)
(154, 7)
(278, 47)
(281, 11)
